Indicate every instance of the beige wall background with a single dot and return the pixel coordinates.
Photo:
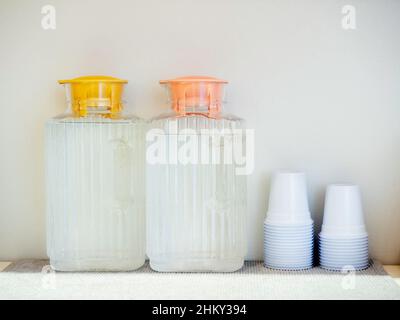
(320, 98)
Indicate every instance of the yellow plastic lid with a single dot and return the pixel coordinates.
(95, 95)
(89, 79)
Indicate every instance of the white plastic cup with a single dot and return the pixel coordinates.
(343, 213)
(288, 202)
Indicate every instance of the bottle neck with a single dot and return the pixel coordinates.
(188, 97)
(95, 99)
(210, 111)
(83, 109)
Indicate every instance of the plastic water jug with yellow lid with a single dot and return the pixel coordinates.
(94, 179)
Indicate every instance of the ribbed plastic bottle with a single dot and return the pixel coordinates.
(196, 201)
(95, 180)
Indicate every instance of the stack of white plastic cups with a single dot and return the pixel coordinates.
(343, 241)
(288, 228)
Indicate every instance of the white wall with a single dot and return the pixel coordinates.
(320, 98)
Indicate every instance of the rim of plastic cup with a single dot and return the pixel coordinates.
(343, 255)
(288, 223)
(287, 263)
(343, 241)
(340, 268)
(283, 236)
(287, 241)
(342, 235)
(303, 247)
(288, 267)
(341, 258)
(331, 269)
(299, 252)
(344, 262)
(288, 259)
(348, 250)
(278, 245)
(286, 253)
(340, 255)
(282, 261)
(295, 242)
(304, 252)
(344, 247)
(289, 231)
(345, 234)
(343, 244)
(344, 250)
(294, 256)
(288, 244)
(289, 236)
(294, 264)
(348, 246)
(288, 226)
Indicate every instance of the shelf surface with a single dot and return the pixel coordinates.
(34, 279)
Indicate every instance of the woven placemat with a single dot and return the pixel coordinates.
(250, 267)
(33, 279)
